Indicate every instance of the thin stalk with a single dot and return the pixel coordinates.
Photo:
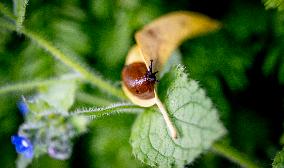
(166, 117)
(233, 155)
(94, 113)
(20, 11)
(30, 85)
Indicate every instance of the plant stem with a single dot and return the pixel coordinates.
(166, 117)
(233, 155)
(94, 113)
(20, 12)
(33, 84)
(67, 60)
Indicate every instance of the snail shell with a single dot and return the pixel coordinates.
(139, 80)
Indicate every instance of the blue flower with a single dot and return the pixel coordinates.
(23, 107)
(23, 145)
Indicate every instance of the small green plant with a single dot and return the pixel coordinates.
(278, 160)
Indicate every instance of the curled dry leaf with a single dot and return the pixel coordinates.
(161, 37)
(156, 41)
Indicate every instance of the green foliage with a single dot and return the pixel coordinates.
(275, 57)
(109, 143)
(193, 115)
(274, 4)
(227, 64)
(47, 123)
(29, 85)
(279, 160)
(60, 96)
(116, 34)
(5, 11)
(20, 11)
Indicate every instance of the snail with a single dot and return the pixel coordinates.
(155, 43)
(139, 80)
(136, 76)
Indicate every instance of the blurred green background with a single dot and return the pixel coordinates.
(241, 67)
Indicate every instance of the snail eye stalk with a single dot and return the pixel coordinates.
(150, 75)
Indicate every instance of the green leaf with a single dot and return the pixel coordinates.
(4, 10)
(192, 113)
(274, 4)
(60, 96)
(270, 61)
(279, 160)
(20, 11)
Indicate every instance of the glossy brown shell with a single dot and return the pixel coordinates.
(135, 80)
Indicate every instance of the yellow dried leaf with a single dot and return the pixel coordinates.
(161, 37)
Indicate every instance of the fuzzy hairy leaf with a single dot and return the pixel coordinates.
(279, 160)
(192, 113)
(60, 96)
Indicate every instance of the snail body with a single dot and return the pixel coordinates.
(139, 80)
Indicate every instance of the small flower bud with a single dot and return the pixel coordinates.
(23, 145)
(60, 151)
(23, 107)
